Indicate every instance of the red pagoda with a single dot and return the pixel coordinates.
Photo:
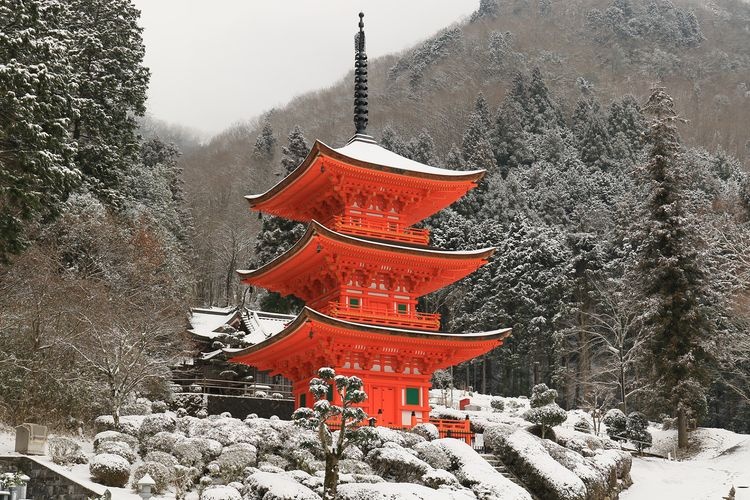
(360, 268)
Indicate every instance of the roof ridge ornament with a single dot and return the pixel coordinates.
(360, 83)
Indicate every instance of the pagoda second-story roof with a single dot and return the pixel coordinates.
(315, 337)
(314, 185)
(323, 252)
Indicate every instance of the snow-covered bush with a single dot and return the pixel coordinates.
(233, 460)
(195, 451)
(202, 413)
(616, 423)
(447, 413)
(524, 454)
(120, 448)
(220, 492)
(668, 423)
(225, 414)
(436, 478)
(269, 486)
(544, 411)
(109, 469)
(129, 424)
(163, 441)
(275, 460)
(190, 403)
(395, 462)
(65, 451)
(225, 430)
(159, 407)
(427, 431)
(636, 429)
(261, 394)
(400, 491)
(433, 455)
(115, 436)
(161, 457)
(410, 439)
(350, 466)
(277, 395)
(140, 406)
(367, 438)
(161, 475)
(583, 425)
(182, 479)
(473, 471)
(497, 404)
(495, 432)
(157, 422)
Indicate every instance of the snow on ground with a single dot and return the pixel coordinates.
(723, 461)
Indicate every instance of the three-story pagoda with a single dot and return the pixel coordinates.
(361, 267)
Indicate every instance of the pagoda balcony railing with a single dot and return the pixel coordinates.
(419, 320)
(381, 229)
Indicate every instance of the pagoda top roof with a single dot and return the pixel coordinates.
(309, 315)
(362, 152)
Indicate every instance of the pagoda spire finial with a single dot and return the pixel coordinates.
(360, 79)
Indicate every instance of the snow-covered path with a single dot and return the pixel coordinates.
(698, 479)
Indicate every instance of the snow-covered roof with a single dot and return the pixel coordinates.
(370, 152)
(250, 326)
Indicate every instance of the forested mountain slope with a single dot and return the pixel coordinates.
(597, 46)
(552, 98)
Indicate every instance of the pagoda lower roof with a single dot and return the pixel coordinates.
(314, 183)
(314, 337)
(321, 250)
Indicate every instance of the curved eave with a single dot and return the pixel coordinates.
(309, 314)
(317, 229)
(320, 148)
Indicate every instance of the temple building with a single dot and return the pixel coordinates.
(360, 268)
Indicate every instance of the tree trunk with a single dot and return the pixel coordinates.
(331, 481)
(682, 437)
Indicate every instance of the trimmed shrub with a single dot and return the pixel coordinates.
(140, 406)
(120, 448)
(161, 475)
(65, 451)
(269, 486)
(161, 457)
(497, 404)
(427, 431)
(637, 431)
(436, 478)
(159, 407)
(544, 412)
(583, 425)
(616, 423)
(110, 470)
(115, 436)
(157, 422)
(394, 462)
(220, 492)
(234, 459)
(163, 441)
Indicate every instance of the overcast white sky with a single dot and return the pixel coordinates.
(215, 62)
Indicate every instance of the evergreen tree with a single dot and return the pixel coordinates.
(482, 109)
(392, 141)
(626, 127)
(106, 53)
(36, 167)
(278, 234)
(541, 109)
(590, 129)
(265, 143)
(671, 275)
(475, 147)
(296, 152)
(422, 149)
(636, 428)
(454, 159)
(544, 411)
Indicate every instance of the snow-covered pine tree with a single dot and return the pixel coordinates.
(422, 148)
(544, 411)
(454, 159)
(276, 233)
(626, 126)
(106, 53)
(325, 412)
(590, 129)
(36, 168)
(636, 428)
(265, 143)
(392, 141)
(671, 276)
(543, 112)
